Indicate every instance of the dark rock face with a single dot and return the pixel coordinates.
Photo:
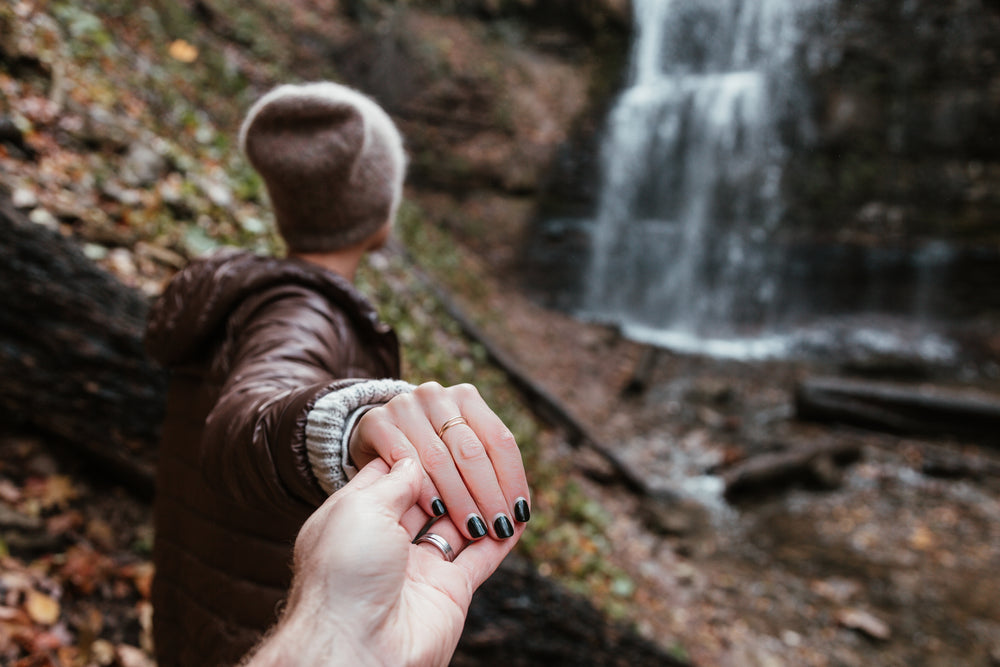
(905, 109)
(586, 17)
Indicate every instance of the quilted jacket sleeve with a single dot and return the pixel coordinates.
(286, 351)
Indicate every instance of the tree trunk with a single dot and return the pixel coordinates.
(72, 365)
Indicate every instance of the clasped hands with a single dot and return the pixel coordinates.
(363, 593)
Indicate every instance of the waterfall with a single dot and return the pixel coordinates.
(692, 167)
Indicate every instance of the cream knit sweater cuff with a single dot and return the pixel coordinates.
(327, 426)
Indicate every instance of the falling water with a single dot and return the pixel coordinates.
(692, 170)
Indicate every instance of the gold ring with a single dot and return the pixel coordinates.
(454, 421)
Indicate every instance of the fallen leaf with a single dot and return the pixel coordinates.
(41, 608)
(44, 642)
(183, 51)
(10, 614)
(63, 523)
(863, 621)
(85, 568)
(88, 622)
(9, 492)
(68, 655)
(11, 518)
(120, 589)
(922, 538)
(836, 589)
(30, 507)
(103, 652)
(16, 578)
(130, 656)
(101, 533)
(145, 611)
(51, 491)
(141, 575)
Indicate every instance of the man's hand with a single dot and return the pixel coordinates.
(363, 594)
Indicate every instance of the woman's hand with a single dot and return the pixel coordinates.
(472, 464)
(363, 593)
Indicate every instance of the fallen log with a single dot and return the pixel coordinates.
(898, 408)
(816, 464)
(954, 463)
(72, 365)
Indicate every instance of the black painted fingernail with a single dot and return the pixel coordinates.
(437, 507)
(476, 527)
(503, 527)
(521, 511)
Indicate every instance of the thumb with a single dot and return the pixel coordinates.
(374, 470)
(397, 491)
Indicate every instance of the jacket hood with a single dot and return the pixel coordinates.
(196, 305)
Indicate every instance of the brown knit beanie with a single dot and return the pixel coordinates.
(332, 161)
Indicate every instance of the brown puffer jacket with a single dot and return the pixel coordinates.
(251, 344)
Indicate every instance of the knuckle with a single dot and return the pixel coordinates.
(470, 449)
(376, 425)
(504, 440)
(373, 416)
(466, 391)
(398, 451)
(399, 402)
(435, 458)
(427, 388)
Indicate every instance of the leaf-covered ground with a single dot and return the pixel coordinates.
(74, 563)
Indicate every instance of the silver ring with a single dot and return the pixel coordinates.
(439, 542)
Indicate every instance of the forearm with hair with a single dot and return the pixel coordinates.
(299, 641)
